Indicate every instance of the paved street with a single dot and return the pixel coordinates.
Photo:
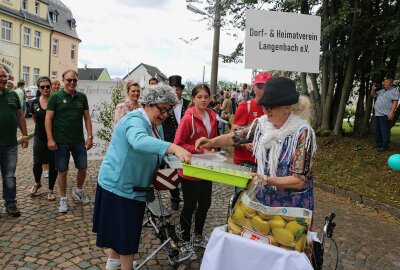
(44, 239)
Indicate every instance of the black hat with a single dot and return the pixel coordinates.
(279, 92)
(176, 80)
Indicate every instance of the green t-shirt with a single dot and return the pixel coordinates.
(9, 104)
(68, 116)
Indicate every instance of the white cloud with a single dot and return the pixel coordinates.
(120, 34)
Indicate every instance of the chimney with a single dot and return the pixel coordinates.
(85, 66)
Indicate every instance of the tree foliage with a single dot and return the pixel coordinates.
(106, 115)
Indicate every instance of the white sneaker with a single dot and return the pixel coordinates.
(188, 248)
(63, 208)
(200, 241)
(46, 174)
(80, 196)
(113, 264)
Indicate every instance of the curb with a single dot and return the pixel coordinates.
(394, 211)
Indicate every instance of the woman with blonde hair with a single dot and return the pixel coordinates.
(131, 102)
(55, 86)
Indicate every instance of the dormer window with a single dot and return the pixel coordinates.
(25, 4)
(72, 24)
(54, 16)
(37, 8)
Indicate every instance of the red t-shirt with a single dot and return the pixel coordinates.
(244, 117)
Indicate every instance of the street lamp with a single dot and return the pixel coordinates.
(215, 50)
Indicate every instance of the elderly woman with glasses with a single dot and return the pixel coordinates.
(134, 154)
(284, 146)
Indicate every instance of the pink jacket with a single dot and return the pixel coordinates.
(192, 128)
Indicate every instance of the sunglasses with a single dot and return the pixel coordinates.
(44, 87)
(71, 80)
(164, 110)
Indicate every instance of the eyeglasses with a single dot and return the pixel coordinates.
(164, 110)
(71, 80)
(45, 87)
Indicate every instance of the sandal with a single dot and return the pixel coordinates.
(51, 196)
(34, 189)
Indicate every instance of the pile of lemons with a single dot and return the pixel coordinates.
(283, 231)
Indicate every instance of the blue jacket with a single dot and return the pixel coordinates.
(132, 156)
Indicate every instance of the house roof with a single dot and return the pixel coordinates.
(153, 71)
(20, 14)
(91, 74)
(64, 18)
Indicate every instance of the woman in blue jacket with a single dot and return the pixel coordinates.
(134, 154)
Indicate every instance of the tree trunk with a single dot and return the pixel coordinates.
(349, 77)
(317, 99)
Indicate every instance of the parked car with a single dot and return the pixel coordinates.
(30, 96)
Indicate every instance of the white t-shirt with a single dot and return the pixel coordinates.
(207, 123)
(178, 111)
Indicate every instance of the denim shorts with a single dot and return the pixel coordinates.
(79, 154)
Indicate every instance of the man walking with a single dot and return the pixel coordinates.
(11, 117)
(64, 130)
(170, 126)
(386, 103)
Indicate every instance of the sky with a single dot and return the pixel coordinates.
(121, 34)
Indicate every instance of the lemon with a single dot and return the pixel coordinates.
(283, 237)
(300, 244)
(248, 212)
(260, 225)
(276, 222)
(238, 216)
(294, 227)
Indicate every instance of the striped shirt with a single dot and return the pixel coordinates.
(384, 100)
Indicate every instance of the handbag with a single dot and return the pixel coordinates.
(165, 179)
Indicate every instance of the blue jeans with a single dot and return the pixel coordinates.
(382, 132)
(8, 165)
(63, 154)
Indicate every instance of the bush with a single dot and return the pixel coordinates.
(106, 115)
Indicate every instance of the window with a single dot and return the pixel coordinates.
(53, 75)
(36, 75)
(55, 17)
(25, 4)
(37, 8)
(25, 75)
(37, 39)
(6, 28)
(54, 47)
(73, 47)
(27, 36)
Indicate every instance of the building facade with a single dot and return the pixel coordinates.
(143, 72)
(94, 74)
(64, 40)
(27, 37)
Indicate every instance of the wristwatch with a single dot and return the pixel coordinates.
(90, 137)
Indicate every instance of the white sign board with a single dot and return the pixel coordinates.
(96, 92)
(282, 41)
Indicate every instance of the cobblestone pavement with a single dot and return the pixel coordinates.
(44, 239)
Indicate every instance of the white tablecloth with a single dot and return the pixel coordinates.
(233, 252)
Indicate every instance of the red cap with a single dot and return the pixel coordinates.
(262, 77)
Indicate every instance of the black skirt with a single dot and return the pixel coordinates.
(117, 222)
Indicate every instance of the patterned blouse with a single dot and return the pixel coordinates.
(299, 164)
(122, 109)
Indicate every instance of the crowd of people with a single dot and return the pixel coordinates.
(268, 131)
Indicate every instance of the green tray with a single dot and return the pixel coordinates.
(215, 176)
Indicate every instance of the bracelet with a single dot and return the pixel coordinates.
(25, 136)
